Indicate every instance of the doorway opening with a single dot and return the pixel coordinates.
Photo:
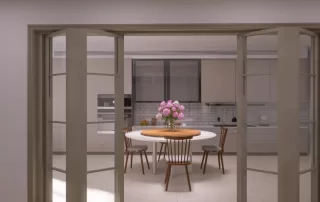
(257, 112)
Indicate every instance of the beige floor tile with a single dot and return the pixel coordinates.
(213, 186)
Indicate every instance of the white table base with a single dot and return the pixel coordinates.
(154, 157)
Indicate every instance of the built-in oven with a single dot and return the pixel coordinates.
(106, 108)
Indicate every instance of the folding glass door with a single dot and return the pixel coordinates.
(277, 105)
(75, 126)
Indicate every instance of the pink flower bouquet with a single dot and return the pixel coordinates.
(170, 112)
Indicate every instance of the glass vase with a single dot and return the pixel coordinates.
(172, 124)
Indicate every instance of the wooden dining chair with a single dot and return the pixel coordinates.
(178, 154)
(165, 145)
(215, 149)
(130, 150)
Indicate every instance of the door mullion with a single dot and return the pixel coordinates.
(288, 109)
(241, 127)
(119, 119)
(47, 141)
(76, 115)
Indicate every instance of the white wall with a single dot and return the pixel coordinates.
(15, 16)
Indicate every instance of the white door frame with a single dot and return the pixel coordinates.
(76, 113)
(288, 105)
(36, 114)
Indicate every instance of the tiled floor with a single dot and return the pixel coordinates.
(213, 186)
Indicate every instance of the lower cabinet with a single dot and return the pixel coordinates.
(264, 140)
(259, 140)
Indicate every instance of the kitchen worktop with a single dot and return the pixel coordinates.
(138, 127)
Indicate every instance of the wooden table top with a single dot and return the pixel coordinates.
(167, 133)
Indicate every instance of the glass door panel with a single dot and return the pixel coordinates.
(281, 118)
(101, 115)
(57, 114)
(261, 127)
(59, 53)
(307, 114)
(85, 62)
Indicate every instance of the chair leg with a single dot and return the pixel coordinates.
(142, 163)
(188, 178)
(145, 154)
(160, 152)
(202, 159)
(219, 159)
(131, 159)
(165, 150)
(125, 167)
(205, 163)
(168, 179)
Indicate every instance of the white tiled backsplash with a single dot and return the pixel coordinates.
(201, 114)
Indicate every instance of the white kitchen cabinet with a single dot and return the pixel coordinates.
(231, 144)
(304, 81)
(264, 140)
(127, 76)
(258, 80)
(273, 80)
(106, 66)
(218, 80)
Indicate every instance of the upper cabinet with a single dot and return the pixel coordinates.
(273, 80)
(127, 76)
(218, 80)
(258, 80)
(184, 80)
(149, 80)
(157, 80)
(304, 80)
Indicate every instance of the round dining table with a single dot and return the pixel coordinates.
(136, 135)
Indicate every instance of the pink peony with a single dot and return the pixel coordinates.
(175, 114)
(181, 116)
(173, 109)
(159, 116)
(169, 101)
(169, 105)
(181, 108)
(160, 109)
(163, 103)
(166, 112)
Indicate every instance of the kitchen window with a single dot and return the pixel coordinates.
(159, 79)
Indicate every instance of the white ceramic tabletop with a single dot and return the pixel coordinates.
(136, 135)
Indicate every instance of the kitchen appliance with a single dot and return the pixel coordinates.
(234, 119)
(106, 108)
